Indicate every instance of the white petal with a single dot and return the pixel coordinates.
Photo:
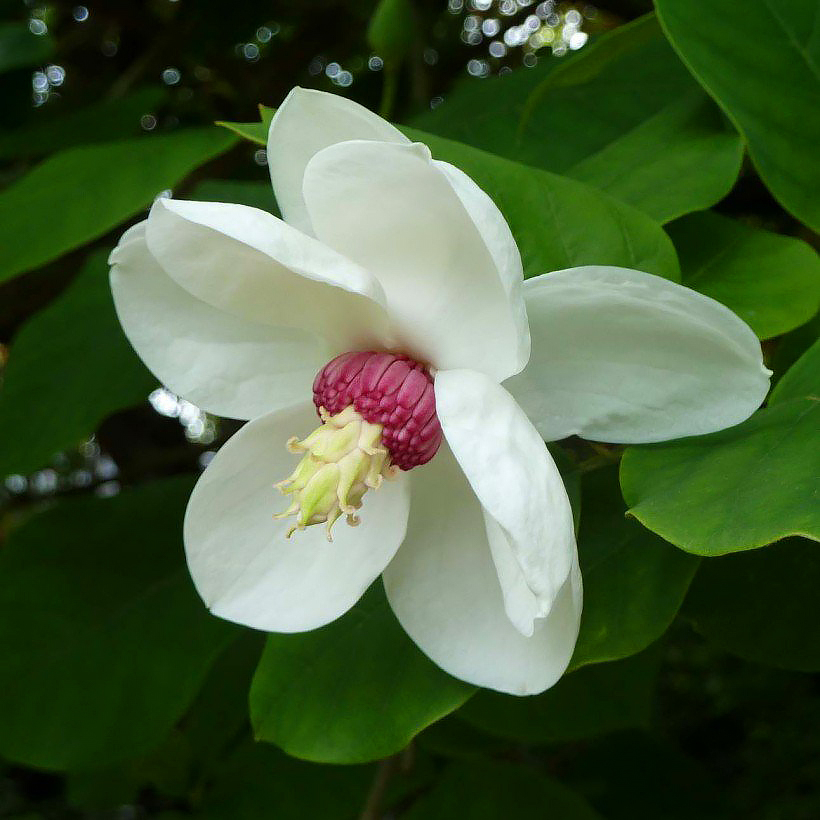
(624, 356)
(508, 466)
(224, 365)
(395, 212)
(443, 587)
(306, 122)
(500, 242)
(243, 566)
(247, 262)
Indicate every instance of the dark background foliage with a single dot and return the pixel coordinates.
(680, 730)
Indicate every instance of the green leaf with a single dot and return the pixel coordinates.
(81, 193)
(391, 30)
(789, 348)
(103, 639)
(69, 367)
(762, 605)
(256, 132)
(571, 476)
(20, 48)
(355, 690)
(771, 281)
(759, 60)
(733, 490)
(258, 781)
(218, 718)
(106, 120)
(455, 738)
(634, 582)
(801, 380)
(603, 698)
(255, 194)
(557, 222)
(484, 790)
(193, 753)
(623, 115)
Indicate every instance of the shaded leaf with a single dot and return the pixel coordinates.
(79, 194)
(255, 194)
(79, 338)
(759, 60)
(801, 380)
(355, 690)
(603, 698)
(772, 282)
(634, 582)
(762, 605)
(218, 717)
(103, 639)
(106, 120)
(623, 115)
(484, 790)
(259, 781)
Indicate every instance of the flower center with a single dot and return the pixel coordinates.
(378, 413)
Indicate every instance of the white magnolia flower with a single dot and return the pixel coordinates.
(403, 263)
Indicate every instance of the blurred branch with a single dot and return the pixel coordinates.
(373, 804)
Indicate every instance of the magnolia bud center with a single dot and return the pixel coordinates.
(378, 413)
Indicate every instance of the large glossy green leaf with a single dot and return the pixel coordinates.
(761, 61)
(771, 281)
(734, 490)
(762, 605)
(603, 698)
(634, 582)
(81, 193)
(557, 222)
(355, 690)
(623, 115)
(484, 790)
(102, 121)
(103, 640)
(69, 367)
(801, 380)
(20, 48)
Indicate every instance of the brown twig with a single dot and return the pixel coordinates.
(372, 809)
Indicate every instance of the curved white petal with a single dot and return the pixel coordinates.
(444, 589)
(225, 365)
(306, 122)
(624, 356)
(243, 566)
(247, 262)
(507, 464)
(500, 242)
(395, 212)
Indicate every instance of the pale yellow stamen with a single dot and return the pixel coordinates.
(343, 459)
